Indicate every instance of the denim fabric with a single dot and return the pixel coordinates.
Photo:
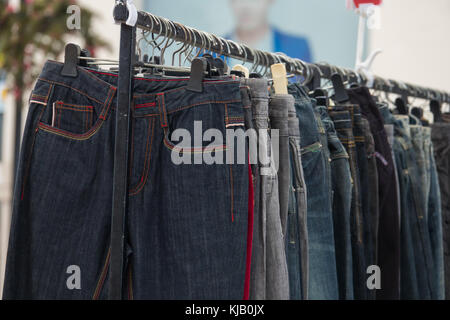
(388, 227)
(186, 224)
(269, 275)
(297, 231)
(372, 188)
(429, 200)
(277, 278)
(259, 97)
(404, 158)
(390, 130)
(322, 260)
(434, 217)
(440, 136)
(420, 270)
(361, 152)
(278, 117)
(420, 237)
(344, 127)
(342, 199)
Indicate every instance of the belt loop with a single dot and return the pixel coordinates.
(108, 102)
(162, 110)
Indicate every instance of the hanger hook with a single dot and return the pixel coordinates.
(227, 44)
(245, 48)
(183, 43)
(202, 45)
(169, 41)
(192, 46)
(219, 43)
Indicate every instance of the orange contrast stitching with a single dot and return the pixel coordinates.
(30, 155)
(203, 102)
(148, 156)
(130, 283)
(74, 89)
(102, 278)
(232, 193)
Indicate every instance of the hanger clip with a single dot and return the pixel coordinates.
(199, 67)
(340, 93)
(71, 60)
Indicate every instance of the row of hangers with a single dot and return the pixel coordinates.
(204, 64)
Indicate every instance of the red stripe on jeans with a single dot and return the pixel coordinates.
(251, 206)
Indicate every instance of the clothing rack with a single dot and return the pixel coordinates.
(212, 43)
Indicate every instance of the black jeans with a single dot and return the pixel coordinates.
(389, 228)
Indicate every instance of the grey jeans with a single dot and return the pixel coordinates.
(269, 276)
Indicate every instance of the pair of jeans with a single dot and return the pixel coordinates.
(269, 274)
(278, 117)
(430, 200)
(186, 226)
(390, 132)
(322, 260)
(297, 231)
(434, 216)
(411, 249)
(388, 227)
(342, 199)
(363, 164)
(440, 136)
(343, 123)
(372, 188)
(421, 246)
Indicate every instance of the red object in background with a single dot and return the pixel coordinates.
(358, 2)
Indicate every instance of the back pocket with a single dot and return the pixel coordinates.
(72, 117)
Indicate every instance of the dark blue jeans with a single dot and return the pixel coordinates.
(440, 136)
(342, 120)
(297, 231)
(186, 224)
(421, 231)
(322, 260)
(342, 199)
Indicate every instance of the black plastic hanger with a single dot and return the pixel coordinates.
(221, 66)
(72, 52)
(319, 93)
(340, 93)
(255, 75)
(402, 105)
(418, 113)
(238, 73)
(435, 108)
(200, 67)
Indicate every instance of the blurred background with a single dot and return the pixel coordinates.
(413, 34)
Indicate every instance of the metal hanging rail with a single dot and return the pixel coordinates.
(212, 43)
(176, 31)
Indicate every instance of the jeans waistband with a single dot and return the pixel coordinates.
(85, 83)
(155, 95)
(341, 119)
